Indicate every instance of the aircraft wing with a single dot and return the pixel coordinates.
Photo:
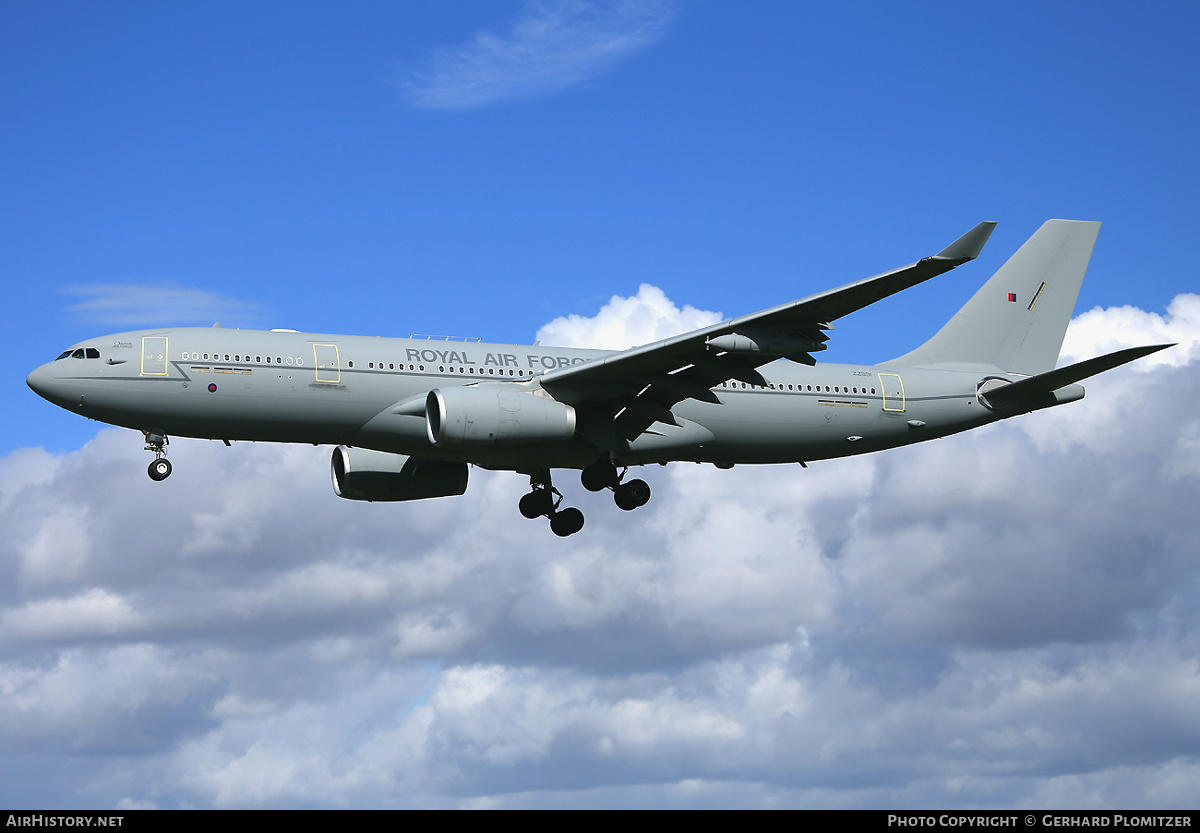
(640, 385)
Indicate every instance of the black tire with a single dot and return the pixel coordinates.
(599, 475)
(631, 495)
(537, 503)
(159, 469)
(567, 522)
(640, 490)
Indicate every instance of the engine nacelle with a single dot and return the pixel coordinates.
(363, 474)
(486, 416)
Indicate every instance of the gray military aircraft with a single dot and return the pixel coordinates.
(407, 415)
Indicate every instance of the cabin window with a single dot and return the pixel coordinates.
(348, 364)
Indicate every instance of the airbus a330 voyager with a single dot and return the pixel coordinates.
(409, 415)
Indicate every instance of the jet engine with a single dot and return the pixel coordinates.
(487, 416)
(363, 474)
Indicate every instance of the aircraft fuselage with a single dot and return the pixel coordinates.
(283, 386)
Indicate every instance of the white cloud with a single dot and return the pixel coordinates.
(94, 613)
(117, 700)
(1099, 331)
(626, 322)
(1003, 618)
(554, 45)
(136, 305)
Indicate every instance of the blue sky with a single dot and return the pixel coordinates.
(484, 169)
(294, 160)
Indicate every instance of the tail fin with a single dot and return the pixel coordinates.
(1016, 322)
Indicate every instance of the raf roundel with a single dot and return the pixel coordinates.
(212, 388)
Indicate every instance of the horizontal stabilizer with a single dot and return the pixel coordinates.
(1072, 373)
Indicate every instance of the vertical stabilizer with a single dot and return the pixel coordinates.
(1017, 320)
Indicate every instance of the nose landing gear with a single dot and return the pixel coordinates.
(540, 502)
(160, 466)
(603, 474)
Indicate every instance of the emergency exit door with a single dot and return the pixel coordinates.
(154, 355)
(328, 363)
(893, 392)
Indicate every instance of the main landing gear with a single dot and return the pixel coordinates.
(541, 502)
(160, 466)
(603, 474)
(544, 500)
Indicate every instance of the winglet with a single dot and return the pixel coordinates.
(969, 245)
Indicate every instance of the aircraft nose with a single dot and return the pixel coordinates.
(46, 384)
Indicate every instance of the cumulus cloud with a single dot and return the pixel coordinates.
(554, 45)
(1099, 331)
(137, 305)
(1003, 618)
(646, 317)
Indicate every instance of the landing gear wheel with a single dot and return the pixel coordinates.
(567, 522)
(159, 469)
(537, 503)
(599, 475)
(631, 495)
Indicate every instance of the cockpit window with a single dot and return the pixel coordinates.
(80, 353)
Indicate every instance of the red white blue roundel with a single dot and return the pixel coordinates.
(212, 388)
